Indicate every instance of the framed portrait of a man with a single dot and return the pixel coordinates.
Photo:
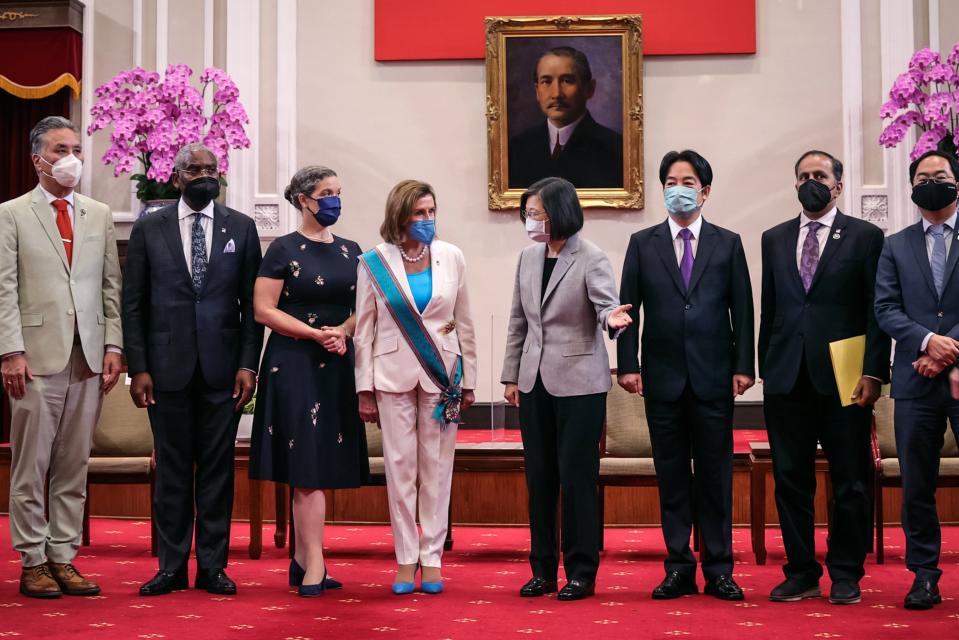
(564, 98)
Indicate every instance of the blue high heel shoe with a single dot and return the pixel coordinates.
(431, 587)
(405, 588)
(312, 590)
(297, 573)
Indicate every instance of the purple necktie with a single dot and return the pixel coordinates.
(686, 264)
(810, 255)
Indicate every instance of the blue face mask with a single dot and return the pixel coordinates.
(681, 201)
(328, 211)
(422, 231)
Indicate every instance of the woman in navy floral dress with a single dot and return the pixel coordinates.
(307, 430)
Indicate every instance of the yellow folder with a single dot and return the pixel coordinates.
(847, 357)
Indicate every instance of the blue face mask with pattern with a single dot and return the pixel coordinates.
(422, 231)
(681, 201)
(328, 210)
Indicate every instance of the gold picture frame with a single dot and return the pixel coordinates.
(514, 47)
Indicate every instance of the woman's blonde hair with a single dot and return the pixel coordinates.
(399, 208)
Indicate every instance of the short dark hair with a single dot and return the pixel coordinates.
(50, 123)
(953, 163)
(580, 62)
(304, 182)
(561, 204)
(836, 164)
(700, 166)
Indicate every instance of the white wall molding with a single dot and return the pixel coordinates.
(86, 91)
(243, 65)
(286, 161)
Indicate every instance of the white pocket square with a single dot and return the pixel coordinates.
(230, 247)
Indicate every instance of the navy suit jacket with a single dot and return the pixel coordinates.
(592, 158)
(702, 335)
(908, 306)
(168, 326)
(796, 326)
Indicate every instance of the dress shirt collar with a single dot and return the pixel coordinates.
(184, 210)
(951, 223)
(695, 227)
(51, 197)
(825, 220)
(564, 132)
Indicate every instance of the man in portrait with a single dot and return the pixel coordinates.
(569, 143)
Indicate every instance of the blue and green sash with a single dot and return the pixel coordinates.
(411, 326)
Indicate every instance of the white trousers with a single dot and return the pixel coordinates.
(51, 431)
(416, 449)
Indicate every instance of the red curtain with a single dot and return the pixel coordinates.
(17, 175)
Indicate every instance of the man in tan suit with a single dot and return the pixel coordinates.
(60, 340)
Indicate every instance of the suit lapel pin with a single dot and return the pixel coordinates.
(83, 212)
(222, 229)
(835, 236)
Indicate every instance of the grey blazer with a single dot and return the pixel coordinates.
(559, 335)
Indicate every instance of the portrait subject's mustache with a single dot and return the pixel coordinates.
(558, 104)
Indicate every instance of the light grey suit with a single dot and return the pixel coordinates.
(61, 315)
(559, 335)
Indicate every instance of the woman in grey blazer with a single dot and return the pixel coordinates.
(557, 372)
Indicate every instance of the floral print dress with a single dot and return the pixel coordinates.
(307, 430)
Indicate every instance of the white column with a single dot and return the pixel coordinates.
(243, 65)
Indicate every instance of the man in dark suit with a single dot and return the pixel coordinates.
(192, 351)
(819, 275)
(691, 279)
(917, 303)
(569, 144)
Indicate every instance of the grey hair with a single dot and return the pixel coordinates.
(304, 181)
(49, 123)
(182, 159)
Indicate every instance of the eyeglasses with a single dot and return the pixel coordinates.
(535, 214)
(193, 172)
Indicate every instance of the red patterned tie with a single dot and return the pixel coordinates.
(65, 227)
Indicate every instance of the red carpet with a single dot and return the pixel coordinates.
(483, 573)
(741, 437)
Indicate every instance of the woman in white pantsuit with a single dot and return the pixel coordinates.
(415, 370)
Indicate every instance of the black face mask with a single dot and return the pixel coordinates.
(200, 192)
(933, 196)
(814, 196)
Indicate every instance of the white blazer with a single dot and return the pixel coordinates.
(384, 360)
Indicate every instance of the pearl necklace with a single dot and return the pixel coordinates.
(417, 258)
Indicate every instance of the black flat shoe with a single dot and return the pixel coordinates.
(215, 581)
(675, 585)
(923, 595)
(537, 587)
(794, 590)
(844, 592)
(724, 588)
(576, 590)
(165, 582)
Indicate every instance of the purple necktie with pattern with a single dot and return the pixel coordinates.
(686, 264)
(810, 255)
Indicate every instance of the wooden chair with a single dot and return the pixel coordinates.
(887, 471)
(626, 454)
(122, 451)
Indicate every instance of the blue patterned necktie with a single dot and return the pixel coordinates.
(809, 259)
(198, 251)
(937, 261)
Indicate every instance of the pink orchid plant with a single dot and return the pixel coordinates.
(153, 118)
(927, 96)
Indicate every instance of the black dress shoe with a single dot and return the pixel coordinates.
(165, 582)
(924, 594)
(724, 588)
(675, 585)
(215, 581)
(844, 592)
(576, 590)
(794, 590)
(538, 587)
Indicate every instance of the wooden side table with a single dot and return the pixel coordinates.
(761, 463)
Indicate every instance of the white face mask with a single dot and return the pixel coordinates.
(536, 230)
(66, 171)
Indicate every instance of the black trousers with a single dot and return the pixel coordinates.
(702, 431)
(920, 428)
(194, 431)
(561, 451)
(795, 423)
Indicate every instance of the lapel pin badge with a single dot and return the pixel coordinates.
(222, 229)
(83, 212)
(835, 236)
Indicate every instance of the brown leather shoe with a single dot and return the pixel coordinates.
(70, 580)
(37, 582)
